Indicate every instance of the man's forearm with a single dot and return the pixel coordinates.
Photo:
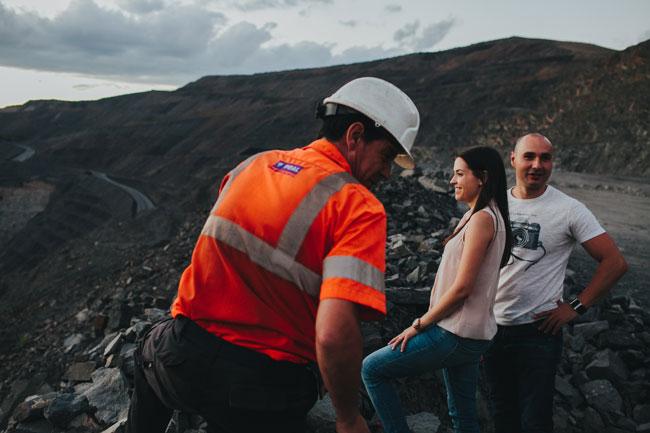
(339, 350)
(340, 366)
(607, 273)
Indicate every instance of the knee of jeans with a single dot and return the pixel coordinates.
(369, 371)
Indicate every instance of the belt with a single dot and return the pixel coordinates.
(524, 330)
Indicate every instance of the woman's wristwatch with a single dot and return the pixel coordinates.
(416, 324)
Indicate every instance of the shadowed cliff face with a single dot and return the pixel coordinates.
(175, 146)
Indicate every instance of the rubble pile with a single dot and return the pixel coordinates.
(79, 375)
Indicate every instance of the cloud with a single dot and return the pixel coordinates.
(172, 45)
(85, 87)
(409, 36)
(434, 33)
(407, 32)
(644, 37)
(349, 23)
(141, 6)
(251, 5)
(393, 8)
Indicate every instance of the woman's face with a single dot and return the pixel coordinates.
(466, 186)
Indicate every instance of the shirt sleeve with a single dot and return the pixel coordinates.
(354, 267)
(584, 225)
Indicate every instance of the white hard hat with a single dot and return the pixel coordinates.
(388, 106)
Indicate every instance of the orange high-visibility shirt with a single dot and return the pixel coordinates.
(289, 228)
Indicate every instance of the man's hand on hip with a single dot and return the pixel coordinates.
(556, 318)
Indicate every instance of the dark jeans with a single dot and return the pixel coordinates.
(519, 370)
(180, 366)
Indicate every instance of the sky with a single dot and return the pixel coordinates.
(89, 49)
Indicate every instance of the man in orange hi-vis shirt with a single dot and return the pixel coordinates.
(291, 257)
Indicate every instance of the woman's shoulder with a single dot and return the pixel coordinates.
(482, 221)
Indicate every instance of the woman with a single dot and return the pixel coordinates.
(460, 323)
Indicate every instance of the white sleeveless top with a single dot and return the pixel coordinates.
(475, 318)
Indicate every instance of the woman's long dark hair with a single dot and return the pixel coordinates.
(486, 164)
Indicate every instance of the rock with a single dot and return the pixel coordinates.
(591, 329)
(592, 421)
(601, 395)
(108, 395)
(85, 423)
(423, 422)
(73, 342)
(32, 408)
(643, 428)
(82, 316)
(37, 426)
(119, 316)
(571, 394)
(641, 413)
(114, 345)
(322, 417)
(414, 276)
(80, 372)
(118, 427)
(434, 185)
(617, 340)
(64, 407)
(19, 390)
(154, 315)
(607, 365)
(406, 296)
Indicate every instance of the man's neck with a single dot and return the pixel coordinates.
(524, 193)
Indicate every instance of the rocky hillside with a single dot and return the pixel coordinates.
(100, 204)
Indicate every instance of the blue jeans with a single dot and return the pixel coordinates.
(520, 374)
(431, 349)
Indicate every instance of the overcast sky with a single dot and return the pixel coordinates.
(87, 49)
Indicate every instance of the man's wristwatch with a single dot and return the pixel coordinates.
(577, 306)
(416, 324)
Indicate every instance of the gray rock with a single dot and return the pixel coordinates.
(641, 413)
(607, 365)
(108, 394)
(601, 395)
(423, 422)
(118, 427)
(19, 390)
(592, 421)
(435, 185)
(322, 417)
(576, 343)
(37, 426)
(73, 342)
(32, 408)
(591, 329)
(80, 372)
(615, 339)
(643, 428)
(64, 407)
(155, 314)
(414, 276)
(85, 423)
(571, 394)
(408, 296)
(114, 345)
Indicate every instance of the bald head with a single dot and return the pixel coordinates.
(533, 137)
(532, 160)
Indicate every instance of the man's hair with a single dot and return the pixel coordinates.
(335, 126)
(532, 134)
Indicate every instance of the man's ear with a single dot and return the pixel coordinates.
(353, 134)
(512, 158)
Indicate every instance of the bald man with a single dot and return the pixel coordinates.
(530, 312)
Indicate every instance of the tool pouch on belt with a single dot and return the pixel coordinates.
(162, 358)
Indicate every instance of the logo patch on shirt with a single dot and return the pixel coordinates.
(285, 167)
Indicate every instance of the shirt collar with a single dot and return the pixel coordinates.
(328, 148)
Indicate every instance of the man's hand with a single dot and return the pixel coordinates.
(403, 338)
(556, 318)
(358, 425)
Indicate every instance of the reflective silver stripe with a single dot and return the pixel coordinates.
(294, 232)
(272, 259)
(354, 269)
(233, 174)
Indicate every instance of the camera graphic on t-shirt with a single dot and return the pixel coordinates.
(525, 235)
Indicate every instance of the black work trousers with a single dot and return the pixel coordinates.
(180, 366)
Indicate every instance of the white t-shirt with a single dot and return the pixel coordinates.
(544, 229)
